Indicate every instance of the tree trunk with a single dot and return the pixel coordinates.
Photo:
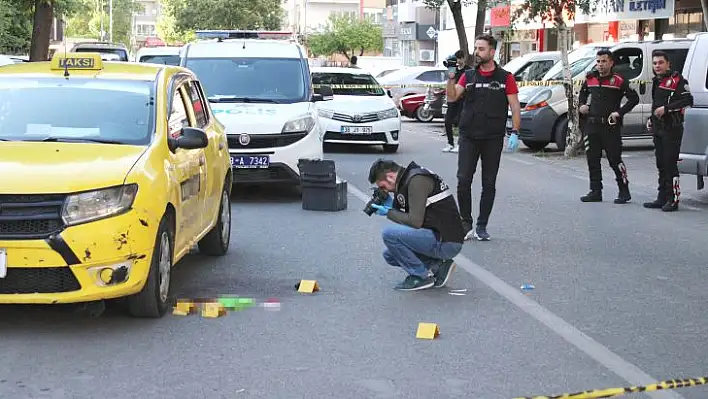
(41, 29)
(481, 17)
(573, 137)
(456, 10)
(704, 5)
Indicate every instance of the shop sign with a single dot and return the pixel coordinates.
(620, 10)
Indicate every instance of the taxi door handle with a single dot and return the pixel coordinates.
(201, 161)
(221, 145)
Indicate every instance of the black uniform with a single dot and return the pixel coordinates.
(671, 92)
(441, 214)
(452, 116)
(482, 131)
(605, 98)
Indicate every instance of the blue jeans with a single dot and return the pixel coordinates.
(416, 250)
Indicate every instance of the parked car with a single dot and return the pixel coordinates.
(414, 81)
(159, 55)
(532, 66)
(693, 157)
(363, 114)
(424, 107)
(107, 50)
(544, 109)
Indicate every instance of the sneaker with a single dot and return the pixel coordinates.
(448, 148)
(442, 275)
(415, 283)
(467, 229)
(455, 149)
(480, 233)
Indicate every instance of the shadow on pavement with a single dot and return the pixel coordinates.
(258, 194)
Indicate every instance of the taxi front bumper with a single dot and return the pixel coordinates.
(104, 259)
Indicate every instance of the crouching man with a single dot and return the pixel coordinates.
(428, 232)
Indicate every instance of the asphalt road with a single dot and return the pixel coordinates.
(619, 299)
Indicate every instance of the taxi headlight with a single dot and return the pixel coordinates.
(299, 124)
(389, 113)
(98, 204)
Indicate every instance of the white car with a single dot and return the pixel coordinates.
(360, 114)
(260, 90)
(168, 55)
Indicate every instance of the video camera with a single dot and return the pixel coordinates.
(451, 61)
(379, 197)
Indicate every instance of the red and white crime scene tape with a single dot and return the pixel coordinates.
(613, 392)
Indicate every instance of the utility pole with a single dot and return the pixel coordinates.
(110, 21)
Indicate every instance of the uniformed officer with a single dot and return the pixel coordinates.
(603, 124)
(670, 95)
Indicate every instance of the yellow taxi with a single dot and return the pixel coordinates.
(110, 172)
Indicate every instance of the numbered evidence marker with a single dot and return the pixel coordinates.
(184, 308)
(308, 286)
(213, 310)
(427, 331)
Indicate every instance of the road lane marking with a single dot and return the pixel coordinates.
(610, 360)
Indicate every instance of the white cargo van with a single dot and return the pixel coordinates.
(260, 89)
(693, 157)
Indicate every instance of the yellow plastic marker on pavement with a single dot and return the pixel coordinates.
(213, 310)
(308, 286)
(183, 308)
(427, 331)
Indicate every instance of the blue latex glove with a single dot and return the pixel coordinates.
(513, 141)
(381, 210)
(389, 201)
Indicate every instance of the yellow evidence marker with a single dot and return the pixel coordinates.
(184, 308)
(427, 331)
(213, 310)
(308, 286)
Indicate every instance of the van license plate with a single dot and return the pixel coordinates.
(3, 263)
(250, 161)
(357, 130)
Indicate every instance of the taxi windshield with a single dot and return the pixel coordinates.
(270, 80)
(77, 109)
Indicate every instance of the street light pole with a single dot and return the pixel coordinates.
(110, 21)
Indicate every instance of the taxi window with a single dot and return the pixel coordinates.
(76, 109)
(178, 115)
(197, 105)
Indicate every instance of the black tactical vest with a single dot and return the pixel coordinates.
(485, 108)
(441, 213)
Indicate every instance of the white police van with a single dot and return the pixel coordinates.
(259, 87)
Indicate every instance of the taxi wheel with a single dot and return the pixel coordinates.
(216, 242)
(153, 300)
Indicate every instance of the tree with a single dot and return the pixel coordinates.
(557, 12)
(456, 10)
(182, 17)
(15, 28)
(347, 36)
(89, 14)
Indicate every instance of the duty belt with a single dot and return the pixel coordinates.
(598, 119)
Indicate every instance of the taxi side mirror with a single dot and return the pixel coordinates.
(191, 138)
(388, 93)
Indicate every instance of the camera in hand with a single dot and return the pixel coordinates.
(379, 198)
(450, 62)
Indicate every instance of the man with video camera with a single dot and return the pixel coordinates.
(456, 67)
(428, 233)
